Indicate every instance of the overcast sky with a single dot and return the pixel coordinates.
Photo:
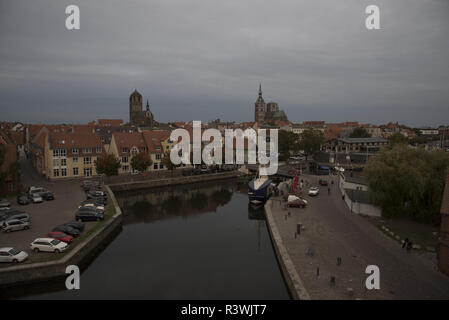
(204, 59)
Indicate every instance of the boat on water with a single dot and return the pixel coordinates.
(260, 189)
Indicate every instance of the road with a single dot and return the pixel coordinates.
(332, 231)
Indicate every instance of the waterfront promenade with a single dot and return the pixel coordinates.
(329, 230)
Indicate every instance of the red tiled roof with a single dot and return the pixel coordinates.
(110, 122)
(128, 140)
(153, 139)
(71, 141)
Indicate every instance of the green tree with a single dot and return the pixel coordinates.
(397, 138)
(409, 182)
(288, 144)
(107, 164)
(311, 141)
(359, 132)
(141, 162)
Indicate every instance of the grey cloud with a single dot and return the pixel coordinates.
(204, 59)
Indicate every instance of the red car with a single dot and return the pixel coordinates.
(59, 236)
(296, 204)
(323, 182)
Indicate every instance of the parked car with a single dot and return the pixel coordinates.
(91, 209)
(96, 188)
(314, 191)
(92, 205)
(88, 216)
(34, 189)
(15, 225)
(97, 193)
(298, 203)
(61, 236)
(323, 182)
(4, 203)
(93, 202)
(101, 200)
(36, 198)
(87, 184)
(23, 200)
(12, 255)
(47, 195)
(204, 169)
(76, 225)
(48, 245)
(67, 229)
(15, 215)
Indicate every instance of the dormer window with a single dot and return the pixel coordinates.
(134, 151)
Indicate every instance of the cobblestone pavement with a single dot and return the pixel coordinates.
(330, 231)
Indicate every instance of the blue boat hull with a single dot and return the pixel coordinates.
(260, 195)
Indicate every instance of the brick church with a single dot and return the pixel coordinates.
(138, 116)
(267, 112)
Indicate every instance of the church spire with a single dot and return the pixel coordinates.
(148, 105)
(260, 89)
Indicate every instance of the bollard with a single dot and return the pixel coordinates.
(298, 228)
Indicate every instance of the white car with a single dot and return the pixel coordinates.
(36, 198)
(12, 255)
(314, 191)
(48, 245)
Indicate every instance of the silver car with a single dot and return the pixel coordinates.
(36, 198)
(12, 255)
(15, 225)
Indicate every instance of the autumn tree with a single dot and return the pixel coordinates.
(141, 162)
(107, 164)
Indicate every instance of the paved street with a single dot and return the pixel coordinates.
(46, 215)
(332, 231)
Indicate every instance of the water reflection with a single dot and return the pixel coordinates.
(189, 242)
(151, 205)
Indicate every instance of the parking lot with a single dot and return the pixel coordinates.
(46, 215)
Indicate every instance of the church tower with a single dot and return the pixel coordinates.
(135, 105)
(259, 108)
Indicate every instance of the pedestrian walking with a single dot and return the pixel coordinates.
(328, 190)
(405, 243)
(343, 197)
(409, 246)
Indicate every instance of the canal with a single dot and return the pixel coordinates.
(197, 241)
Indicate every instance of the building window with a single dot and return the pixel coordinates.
(63, 153)
(56, 153)
(161, 166)
(143, 149)
(124, 159)
(155, 166)
(87, 150)
(64, 172)
(63, 162)
(87, 160)
(75, 160)
(75, 150)
(98, 149)
(87, 172)
(125, 168)
(124, 150)
(55, 162)
(158, 156)
(55, 172)
(134, 151)
(75, 171)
